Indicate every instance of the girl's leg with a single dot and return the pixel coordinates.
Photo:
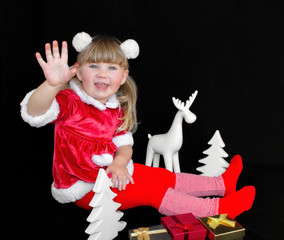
(200, 186)
(154, 187)
(149, 188)
(176, 202)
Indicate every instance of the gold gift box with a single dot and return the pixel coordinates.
(157, 232)
(222, 230)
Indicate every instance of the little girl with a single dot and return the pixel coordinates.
(94, 115)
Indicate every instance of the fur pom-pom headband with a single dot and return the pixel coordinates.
(130, 47)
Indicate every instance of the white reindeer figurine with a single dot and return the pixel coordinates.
(169, 144)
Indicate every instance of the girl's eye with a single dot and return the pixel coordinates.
(93, 66)
(112, 68)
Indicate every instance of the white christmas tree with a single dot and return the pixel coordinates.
(215, 165)
(104, 218)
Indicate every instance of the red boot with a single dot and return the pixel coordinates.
(238, 202)
(230, 177)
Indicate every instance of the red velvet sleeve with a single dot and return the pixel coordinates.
(66, 100)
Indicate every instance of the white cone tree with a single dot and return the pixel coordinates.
(215, 164)
(104, 218)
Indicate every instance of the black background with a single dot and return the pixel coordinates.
(231, 51)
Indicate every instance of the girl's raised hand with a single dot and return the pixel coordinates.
(56, 69)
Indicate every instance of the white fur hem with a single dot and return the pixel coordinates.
(123, 140)
(80, 188)
(39, 121)
(73, 193)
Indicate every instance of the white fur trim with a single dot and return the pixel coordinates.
(80, 188)
(73, 193)
(130, 167)
(123, 140)
(102, 160)
(81, 41)
(39, 121)
(111, 103)
(130, 48)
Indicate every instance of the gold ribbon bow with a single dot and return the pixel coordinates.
(215, 222)
(142, 233)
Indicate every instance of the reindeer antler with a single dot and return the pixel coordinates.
(180, 105)
(191, 99)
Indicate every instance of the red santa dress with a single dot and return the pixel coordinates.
(85, 139)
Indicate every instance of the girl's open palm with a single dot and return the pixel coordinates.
(56, 69)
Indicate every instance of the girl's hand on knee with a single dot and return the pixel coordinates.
(119, 173)
(56, 69)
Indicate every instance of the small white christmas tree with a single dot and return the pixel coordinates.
(215, 165)
(104, 218)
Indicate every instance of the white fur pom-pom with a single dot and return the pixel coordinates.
(130, 48)
(81, 41)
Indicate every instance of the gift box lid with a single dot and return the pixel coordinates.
(184, 224)
(157, 232)
(222, 230)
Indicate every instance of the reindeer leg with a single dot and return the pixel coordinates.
(176, 162)
(168, 161)
(149, 156)
(156, 161)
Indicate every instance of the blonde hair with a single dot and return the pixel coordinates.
(107, 49)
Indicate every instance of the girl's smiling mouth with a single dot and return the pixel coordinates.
(101, 85)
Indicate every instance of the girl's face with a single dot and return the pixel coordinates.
(101, 80)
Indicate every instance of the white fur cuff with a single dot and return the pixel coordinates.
(73, 193)
(39, 121)
(123, 140)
